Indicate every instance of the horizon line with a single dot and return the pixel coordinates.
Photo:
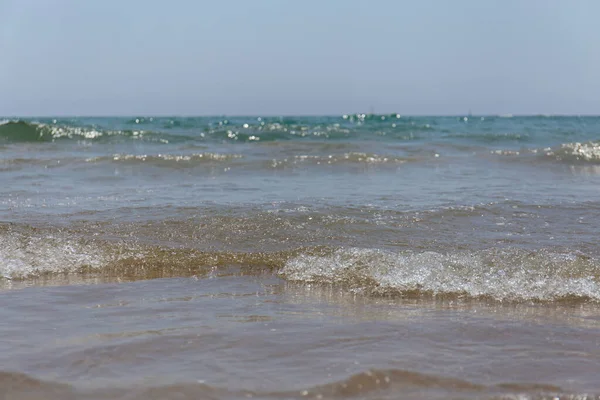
(159, 115)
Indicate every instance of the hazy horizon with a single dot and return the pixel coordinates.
(275, 58)
(266, 115)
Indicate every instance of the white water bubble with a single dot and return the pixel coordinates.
(508, 274)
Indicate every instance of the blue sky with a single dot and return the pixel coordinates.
(275, 57)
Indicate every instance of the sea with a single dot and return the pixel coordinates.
(359, 256)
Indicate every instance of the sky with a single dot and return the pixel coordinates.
(298, 57)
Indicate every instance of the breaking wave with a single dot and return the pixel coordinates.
(377, 127)
(503, 275)
(576, 152)
(24, 132)
(495, 274)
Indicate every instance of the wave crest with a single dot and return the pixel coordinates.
(577, 152)
(503, 275)
(20, 131)
(497, 274)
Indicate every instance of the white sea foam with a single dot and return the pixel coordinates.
(498, 274)
(23, 256)
(589, 152)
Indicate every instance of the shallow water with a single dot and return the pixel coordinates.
(363, 256)
(230, 335)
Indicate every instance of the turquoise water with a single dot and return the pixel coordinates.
(358, 256)
(450, 186)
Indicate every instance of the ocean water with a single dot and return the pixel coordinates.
(357, 256)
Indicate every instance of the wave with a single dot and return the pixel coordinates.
(378, 127)
(573, 153)
(508, 274)
(491, 137)
(20, 131)
(407, 382)
(31, 253)
(178, 160)
(199, 129)
(28, 257)
(174, 160)
(339, 159)
(351, 157)
(25, 256)
(372, 382)
(167, 159)
(576, 152)
(496, 274)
